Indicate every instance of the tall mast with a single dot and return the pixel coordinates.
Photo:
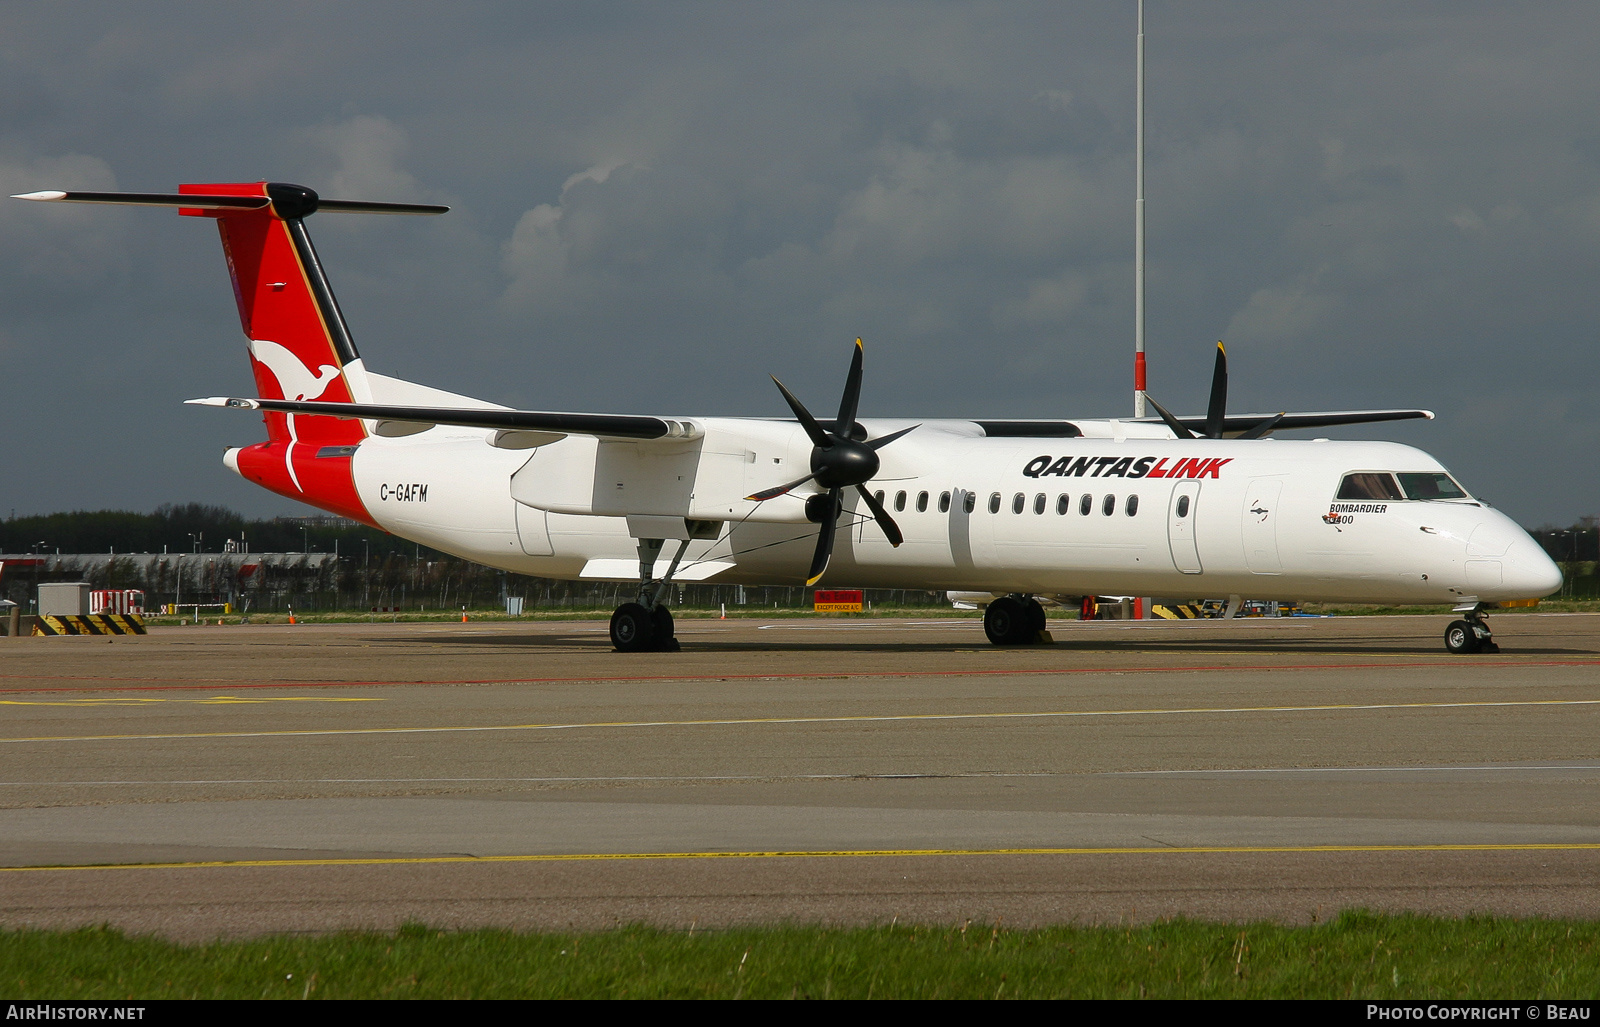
(1138, 228)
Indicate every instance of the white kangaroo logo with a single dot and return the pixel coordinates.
(296, 382)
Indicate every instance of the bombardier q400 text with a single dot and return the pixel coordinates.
(1016, 511)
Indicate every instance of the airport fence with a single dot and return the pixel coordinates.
(328, 582)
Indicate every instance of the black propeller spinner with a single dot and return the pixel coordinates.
(1217, 409)
(838, 462)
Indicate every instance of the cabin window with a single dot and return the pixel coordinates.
(1368, 485)
(1038, 503)
(1063, 504)
(1108, 506)
(1430, 485)
(922, 502)
(944, 502)
(968, 501)
(1183, 506)
(1133, 505)
(878, 495)
(994, 503)
(899, 501)
(1086, 504)
(1019, 502)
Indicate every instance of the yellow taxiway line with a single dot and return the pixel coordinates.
(818, 854)
(860, 719)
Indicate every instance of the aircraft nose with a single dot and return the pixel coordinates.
(1529, 571)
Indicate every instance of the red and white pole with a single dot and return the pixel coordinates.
(1138, 227)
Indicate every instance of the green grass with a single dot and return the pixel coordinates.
(1358, 955)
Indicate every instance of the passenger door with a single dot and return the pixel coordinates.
(1180, 527)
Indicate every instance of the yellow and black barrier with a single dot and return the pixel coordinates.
(1182, 611)
(92, 624)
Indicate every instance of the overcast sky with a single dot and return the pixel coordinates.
(658, 204)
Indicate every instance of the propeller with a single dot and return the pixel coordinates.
(838, 461)
(1217, 409)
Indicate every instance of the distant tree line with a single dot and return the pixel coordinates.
(193, 528)
(372, 569)
(1576, 543)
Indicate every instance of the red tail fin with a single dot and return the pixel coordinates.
(286, 308)
(300, 347)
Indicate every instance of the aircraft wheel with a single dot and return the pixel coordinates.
(1007, 622)
(1460, 638)
(661, 626)
(1036, 618)
(632, 628)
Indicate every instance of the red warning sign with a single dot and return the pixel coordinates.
(838, 600)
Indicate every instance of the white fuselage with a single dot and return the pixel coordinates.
(1260, 519)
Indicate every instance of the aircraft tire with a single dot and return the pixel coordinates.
(632, 629)
(661, 625)
(1460, 638)
(1036, 618)
(1006, 622)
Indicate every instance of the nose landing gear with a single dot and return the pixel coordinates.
(1470, 634)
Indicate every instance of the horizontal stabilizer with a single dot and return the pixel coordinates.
(203, 201)
(621, 426)
(374, 207)
(149, 199)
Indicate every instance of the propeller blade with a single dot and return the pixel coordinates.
(852, 395)
(819, 438)
(830, 522)
(774, 493)
(1260, 430)
(879, 443)
(1218, 408)
(879, 514)
(1172, 422)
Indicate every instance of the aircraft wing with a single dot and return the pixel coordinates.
(1233, 423)
(621, 426)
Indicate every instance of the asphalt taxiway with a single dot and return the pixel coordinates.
(204, 781)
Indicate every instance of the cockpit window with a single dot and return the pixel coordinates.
(1430, 485)
(1368, 485)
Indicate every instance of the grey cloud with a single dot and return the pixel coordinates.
(56, 254)
(655, 205)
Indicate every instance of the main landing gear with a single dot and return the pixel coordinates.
(1470, 634)
(1015, 620)
(646, 626)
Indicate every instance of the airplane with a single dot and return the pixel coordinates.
(1018, 512)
